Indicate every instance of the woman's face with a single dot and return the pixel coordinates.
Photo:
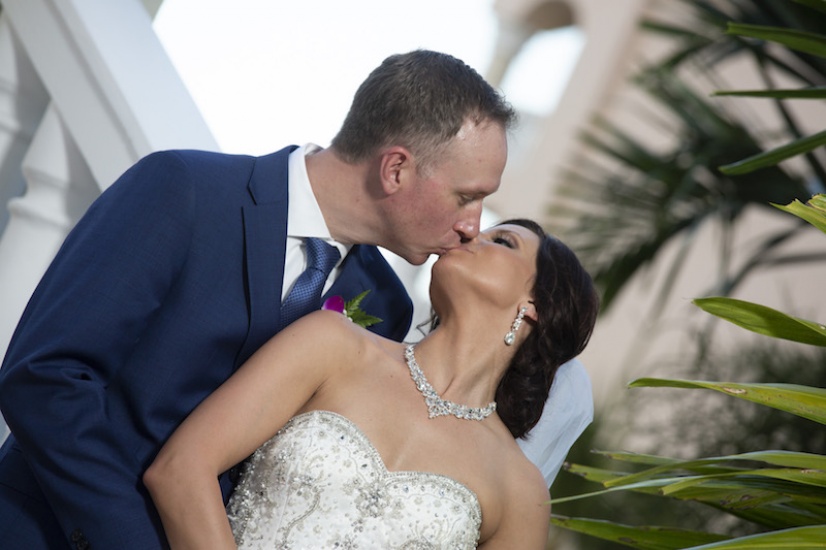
(500, 264)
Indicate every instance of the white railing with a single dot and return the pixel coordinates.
(86, 89)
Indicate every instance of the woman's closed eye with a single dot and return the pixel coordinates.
(505, 240)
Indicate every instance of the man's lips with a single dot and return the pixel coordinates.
(460, 248)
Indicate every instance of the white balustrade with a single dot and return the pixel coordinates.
(113, 97)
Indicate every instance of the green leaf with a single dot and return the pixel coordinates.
(590, 473)
(799, 538)
(816, 478)
(804, 401)
(364, 319)
(791, 459)
(638, 458)
(765, 504)
(657, 485)
(764, 320)
(359, 317)
(802, 41)
(354, 304)
(816, 92)
(648, 538)
(769, 497)
(774, 156)
(788, 459)
(777, 504)
(814, 211)
(649, 486)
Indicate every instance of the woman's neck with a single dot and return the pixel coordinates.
(463, 366)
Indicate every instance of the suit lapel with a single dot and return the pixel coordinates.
(351, 280)
(265, 242)
(365, 269)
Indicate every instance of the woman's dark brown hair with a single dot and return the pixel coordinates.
(566, 305)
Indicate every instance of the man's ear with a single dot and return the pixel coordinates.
(395, 165)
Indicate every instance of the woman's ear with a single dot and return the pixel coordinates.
(530, 310)
(394, 165)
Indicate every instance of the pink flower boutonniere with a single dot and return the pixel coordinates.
(351, 309)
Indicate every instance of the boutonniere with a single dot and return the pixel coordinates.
(351, 309)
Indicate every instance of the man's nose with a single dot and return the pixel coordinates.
(468, 226)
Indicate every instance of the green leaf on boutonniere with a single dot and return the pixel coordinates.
(357, 315)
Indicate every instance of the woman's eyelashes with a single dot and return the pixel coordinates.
(505, 240)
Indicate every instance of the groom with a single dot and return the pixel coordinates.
(176, 275)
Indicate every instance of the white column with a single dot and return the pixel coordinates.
(611, 30)
(510, 37)
(22, 103)
(114, 97)
(59, 189)
(109, 78)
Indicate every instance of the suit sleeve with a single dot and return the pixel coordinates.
(90, 307)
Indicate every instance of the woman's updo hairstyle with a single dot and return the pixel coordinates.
(566, 305)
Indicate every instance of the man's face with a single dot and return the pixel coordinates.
(441, 207)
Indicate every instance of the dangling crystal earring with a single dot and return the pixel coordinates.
(511, 335)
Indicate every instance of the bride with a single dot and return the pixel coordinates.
(363, 442)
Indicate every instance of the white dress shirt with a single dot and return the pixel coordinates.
(304, 219)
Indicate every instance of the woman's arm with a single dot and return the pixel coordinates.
(245, 412)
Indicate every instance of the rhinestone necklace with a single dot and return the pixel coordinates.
(436, 406)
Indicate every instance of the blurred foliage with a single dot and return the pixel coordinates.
(753, 498)
(689, 424)
(620, 206)
(626, 199)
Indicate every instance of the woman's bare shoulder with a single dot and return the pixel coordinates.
(524, 519)
(325, 329)
(529, 488)
(524, 477)
(330, 337)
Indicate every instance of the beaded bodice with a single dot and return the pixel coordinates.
(320, 483)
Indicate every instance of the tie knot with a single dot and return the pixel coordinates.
(321, 256)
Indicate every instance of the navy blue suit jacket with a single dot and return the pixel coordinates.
(170, 281)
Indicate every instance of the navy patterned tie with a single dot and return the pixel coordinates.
(305, 295)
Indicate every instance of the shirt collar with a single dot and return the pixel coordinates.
(304, 217)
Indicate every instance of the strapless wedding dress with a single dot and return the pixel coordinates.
(320, 483)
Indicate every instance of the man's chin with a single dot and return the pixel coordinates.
(418, 257)
(421, 258)
(417, 260)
